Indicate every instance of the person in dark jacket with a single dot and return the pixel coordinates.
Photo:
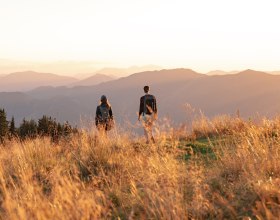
(148, 113)
(104, 115)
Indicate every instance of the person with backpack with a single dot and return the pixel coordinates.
(104, 115)
(148, 112)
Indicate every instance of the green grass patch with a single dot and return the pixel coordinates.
(203, 148)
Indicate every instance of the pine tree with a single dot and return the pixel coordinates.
(32, 129)
(12, 128)
(28, 129)
(44, 125)
(47, 126)
(3, 125)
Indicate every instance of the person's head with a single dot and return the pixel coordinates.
(146, 89)
(104, 100)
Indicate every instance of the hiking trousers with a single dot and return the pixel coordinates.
(148, 122)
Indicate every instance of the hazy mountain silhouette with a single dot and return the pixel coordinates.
(23, 81)
(18, 104)
(249, 92)
(274, 72)
(221, 72)
(129, 84)
(127, 71)
(93, 80)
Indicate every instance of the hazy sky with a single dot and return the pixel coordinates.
(200, 34)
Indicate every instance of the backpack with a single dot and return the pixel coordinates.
(104, 113)
(106, 120)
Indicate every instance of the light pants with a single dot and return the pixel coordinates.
(148, 121)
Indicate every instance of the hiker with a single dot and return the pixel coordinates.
(148, 111)
(104, 116)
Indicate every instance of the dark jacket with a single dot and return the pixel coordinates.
(148, 105)
(98, 117)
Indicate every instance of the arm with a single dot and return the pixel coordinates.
(155, 109)
(155, 105)
(140, 108)
(97, 115)
(111, 113)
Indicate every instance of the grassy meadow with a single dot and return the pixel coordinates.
(223, 168)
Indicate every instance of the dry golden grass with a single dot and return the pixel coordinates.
(84, 177)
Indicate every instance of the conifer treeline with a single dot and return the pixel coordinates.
(46, 126)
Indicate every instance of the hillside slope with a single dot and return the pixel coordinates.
(23, 81)
(249, 91)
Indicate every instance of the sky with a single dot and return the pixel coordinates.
(83, 35)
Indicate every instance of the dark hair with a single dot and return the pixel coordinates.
(104, 100)
(146, 88)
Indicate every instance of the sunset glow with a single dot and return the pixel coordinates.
(199, 34)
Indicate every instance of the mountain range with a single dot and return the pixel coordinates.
(93, 80)
(23, 81)
(221, 72)
(248, 91)
(28, 80)
(126, 71)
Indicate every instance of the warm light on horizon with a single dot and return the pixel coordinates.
(202, 35)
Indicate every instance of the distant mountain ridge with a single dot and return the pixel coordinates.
(248, 91)
(274, 72)
(27, 80)
(221, 72)
(127, 71)
(93, 80)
